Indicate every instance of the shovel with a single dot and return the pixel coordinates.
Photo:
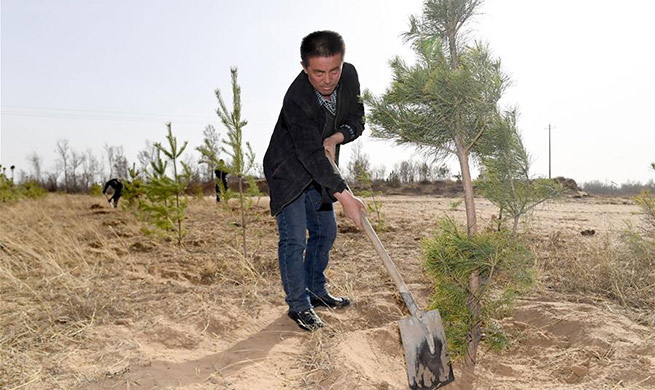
(422, 334)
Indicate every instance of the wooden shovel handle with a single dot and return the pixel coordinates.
(379, 248)
(391, 267)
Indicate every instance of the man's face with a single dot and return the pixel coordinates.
(324, 73)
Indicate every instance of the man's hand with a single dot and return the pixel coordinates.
(331, 142)
(352, 206)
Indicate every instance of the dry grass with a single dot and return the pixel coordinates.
(86, 295)
(620, 269)
(50, 281)
(316, 361)
(69, 264)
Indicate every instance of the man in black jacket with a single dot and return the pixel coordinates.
(221, 177)
(322, 110)
(117, 186)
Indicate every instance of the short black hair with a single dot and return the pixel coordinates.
(321, 44)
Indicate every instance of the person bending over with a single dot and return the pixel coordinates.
(221, 177)
(321, 111)
(117, 186)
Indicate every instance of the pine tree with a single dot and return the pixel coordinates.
(444, 104)
(505, 176)
(242, 156)
(133, 191)
(165, 200)
(210, 151)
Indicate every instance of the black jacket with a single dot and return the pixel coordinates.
(115, 184)
(295, 155)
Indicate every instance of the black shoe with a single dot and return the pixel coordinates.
(307, 319)
(330, 301)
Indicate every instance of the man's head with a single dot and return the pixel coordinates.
(322, 56)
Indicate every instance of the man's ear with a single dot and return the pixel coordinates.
(304, 68)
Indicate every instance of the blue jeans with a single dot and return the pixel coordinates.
(304, 275)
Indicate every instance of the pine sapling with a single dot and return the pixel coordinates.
(243, 158)
(166, 201)
(210, 155)
(505, 178)
(133, 190)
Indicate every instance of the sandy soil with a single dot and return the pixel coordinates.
(191, 329)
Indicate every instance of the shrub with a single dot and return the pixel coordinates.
(95, 189)
(31, 189)
(8, 191)
(134, 191)
(11, 192)
(646, 200)
(505, 266)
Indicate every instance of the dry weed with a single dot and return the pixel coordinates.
(69, 263)
(600, 266)
(316, 360)
(50, 269)
(227, 263)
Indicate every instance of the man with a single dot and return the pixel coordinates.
(221, 177)
(321, 110)
(117, 186)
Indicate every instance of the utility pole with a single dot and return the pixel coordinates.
(549, 151)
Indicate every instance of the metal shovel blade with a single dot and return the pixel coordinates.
(426, 351)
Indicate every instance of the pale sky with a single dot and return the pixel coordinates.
(114, 72)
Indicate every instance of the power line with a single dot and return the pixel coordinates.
(72, 113)
(105, 115)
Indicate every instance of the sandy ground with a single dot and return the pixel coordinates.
(188, 329)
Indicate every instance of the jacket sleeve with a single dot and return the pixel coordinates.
(307, 142)
(353, 126)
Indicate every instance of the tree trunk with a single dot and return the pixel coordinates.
(177, 205)
(515, 225)
(474, 305)
(243, 216)
(467, 184)
(473, 337)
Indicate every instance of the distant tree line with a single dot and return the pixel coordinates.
(76, 171)
(402, 172)
(598, 187)
(408, 171)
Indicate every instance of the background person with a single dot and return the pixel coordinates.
(117, 186)
(221, 177)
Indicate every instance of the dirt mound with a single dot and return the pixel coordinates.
(561, 342)
(567, 183)
(436, 188)
(570, 186)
